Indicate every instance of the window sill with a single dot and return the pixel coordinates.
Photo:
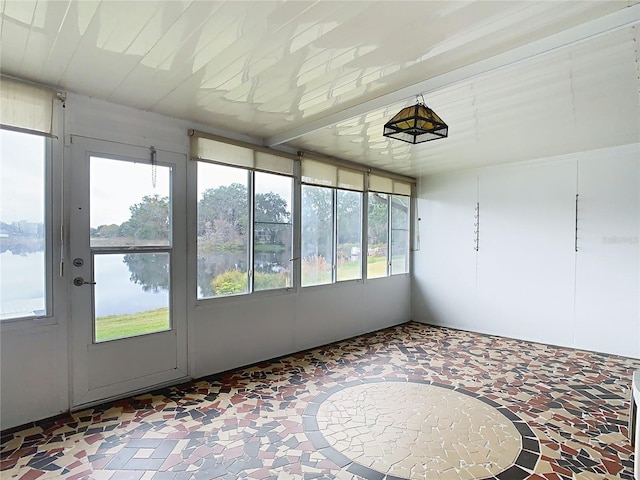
(26, 323)
(244, 297)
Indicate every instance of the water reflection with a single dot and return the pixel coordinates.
(133, 283)
(213, 264)
(150, 270)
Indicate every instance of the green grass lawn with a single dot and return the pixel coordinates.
(127, 325)
(376, 267)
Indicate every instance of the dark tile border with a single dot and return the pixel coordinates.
(522, 467)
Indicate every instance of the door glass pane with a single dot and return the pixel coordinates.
(131, 294)
(22, 225)
(317, 235)
(272, 232)
(349, 213)
(399, 234)
(223, 240)
(130, 203)
(378, 235)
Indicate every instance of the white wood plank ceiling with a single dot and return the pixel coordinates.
(513, 79)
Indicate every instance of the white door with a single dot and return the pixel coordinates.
(526, 255)
(126, 268)
(607, 282)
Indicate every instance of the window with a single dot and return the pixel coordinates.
(24, 183)
(378, 235)
(317, 235)
(130, 221)
(399, 234)
(331, 223)
(223, 230)
(244, 228)
(389, 204)
(245, 223)
(26, 256)
(272, 232)
(349, 235)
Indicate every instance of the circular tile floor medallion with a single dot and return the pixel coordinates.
(413, 430)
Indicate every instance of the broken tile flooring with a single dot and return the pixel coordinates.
(409, 402)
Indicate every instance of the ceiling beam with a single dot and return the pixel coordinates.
(622, 18)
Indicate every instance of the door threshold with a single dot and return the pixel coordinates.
(133, 393)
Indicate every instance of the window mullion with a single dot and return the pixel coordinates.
(49, 230)
(364, 242)
(389, 231)
(251, 229)
(334, 260)
(296, 219)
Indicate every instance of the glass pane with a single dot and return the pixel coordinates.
(223, 235)
(272, 232)
(317, 235)
(377, 235)
(399, 234)
(131, 294)
(349, 213)
(130, 203)
(22, 225)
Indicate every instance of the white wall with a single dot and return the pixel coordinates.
(607, 298)
(231, 333)
(526, 280)
(33, 369)
(223, 334)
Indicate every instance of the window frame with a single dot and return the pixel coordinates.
(390, 230)
(48, 220)
(334, 236)
(387, 262)
(388, 183)
(168, 249)
(56, 232)
(251, 292)
(362, 277)
(252, 203)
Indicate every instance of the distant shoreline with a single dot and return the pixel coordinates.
(19, 245)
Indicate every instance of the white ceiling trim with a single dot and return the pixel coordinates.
(616, 20)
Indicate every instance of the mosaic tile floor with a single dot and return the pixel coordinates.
(410, 402)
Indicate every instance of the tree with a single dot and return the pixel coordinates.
(228, 203)
(378, 230)
(349, 217)
(112, 230)
(149, 219)
(271, 218)
(271, 208)
(150, 270)
(317, 222)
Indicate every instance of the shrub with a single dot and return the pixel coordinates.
(230, 282)
(267, 281)
(235, 281)
(315, 270)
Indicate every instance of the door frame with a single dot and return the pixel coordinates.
(80, 332)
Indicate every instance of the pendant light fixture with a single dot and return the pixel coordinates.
(416, 124)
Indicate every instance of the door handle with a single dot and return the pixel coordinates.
(79, 281)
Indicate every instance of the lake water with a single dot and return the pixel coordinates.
(22, 288)
(22, 284)
(116, 292)
(136, 286)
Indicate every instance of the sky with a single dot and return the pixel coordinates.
(211, 175)
(118, 185)
(21, 177)
(115, 185)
